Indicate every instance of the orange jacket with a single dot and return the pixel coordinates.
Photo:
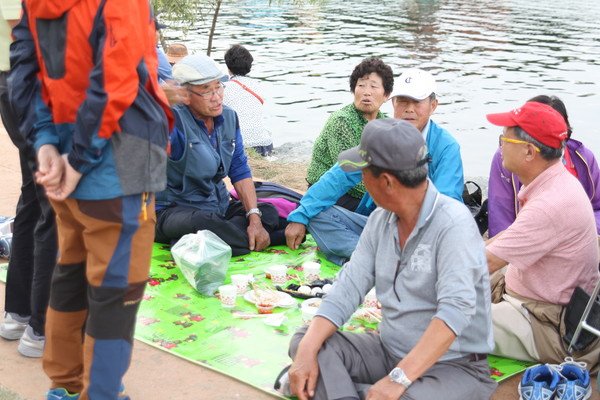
(97, 65)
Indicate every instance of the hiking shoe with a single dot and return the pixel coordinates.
(13, 326)
(61, 394)
(574, 383)
(122, 395)
(31, 344)
(538, 383)
(282, 382)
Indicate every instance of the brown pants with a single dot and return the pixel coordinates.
(545, 324)
(105, 249)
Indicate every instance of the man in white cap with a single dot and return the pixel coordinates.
(415, 100)
(423, 253)
(335, 229)
(206, 146)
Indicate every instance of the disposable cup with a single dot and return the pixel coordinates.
(370, 299)
(278, 274)
(307, 314)
(311, 271)
(309, 309)
(227, 294)
(240, 282)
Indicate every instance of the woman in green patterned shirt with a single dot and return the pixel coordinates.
(371, 82)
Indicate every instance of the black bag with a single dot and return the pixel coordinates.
(573, 313)
(472, 198)
(481, 218)
(269, 190)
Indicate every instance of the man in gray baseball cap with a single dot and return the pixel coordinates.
(206, 146)
(390, 143)
(422, 251)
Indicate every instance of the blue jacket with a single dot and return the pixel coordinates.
(445, 170)
(198, 163)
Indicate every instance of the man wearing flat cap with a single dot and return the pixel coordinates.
(206, 147)
(422, 251)
(550, 248)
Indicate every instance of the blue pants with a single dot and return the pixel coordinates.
(336, 231)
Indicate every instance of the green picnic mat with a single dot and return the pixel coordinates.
(174, 317)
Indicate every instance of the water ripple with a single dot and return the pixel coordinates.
(487, 56)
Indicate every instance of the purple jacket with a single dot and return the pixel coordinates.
(504, 187)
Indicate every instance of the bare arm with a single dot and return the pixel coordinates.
(305, 368)
(494, 262)
(258, 238)
(433, 344)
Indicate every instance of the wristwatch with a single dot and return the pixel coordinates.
(254, 211)
(397, 375)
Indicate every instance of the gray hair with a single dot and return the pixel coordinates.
(548, 153)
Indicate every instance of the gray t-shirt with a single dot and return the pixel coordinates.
(442, 273)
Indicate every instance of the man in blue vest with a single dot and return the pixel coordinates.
(206, 147)
(336, 230)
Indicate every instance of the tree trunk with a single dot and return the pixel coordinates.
(213, 26)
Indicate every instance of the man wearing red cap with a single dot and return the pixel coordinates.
(549, 250)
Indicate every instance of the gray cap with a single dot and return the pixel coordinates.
(197, 69)
(392, 144)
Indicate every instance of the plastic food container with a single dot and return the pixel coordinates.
(265, 308)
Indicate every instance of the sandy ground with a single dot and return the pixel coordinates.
(153, 374)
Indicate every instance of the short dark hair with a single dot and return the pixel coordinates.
(410, 177)
(548, 153)
(558, 105)
(238, 60)
(370, 65)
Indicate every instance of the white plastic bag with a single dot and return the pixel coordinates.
(203, 258)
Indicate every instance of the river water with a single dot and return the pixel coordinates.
(487, 56)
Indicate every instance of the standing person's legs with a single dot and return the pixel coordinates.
(336, 231)
(117, 236)
(45, 254)
(67, 310)
(18, 288)
(34, 244)
(20, 266)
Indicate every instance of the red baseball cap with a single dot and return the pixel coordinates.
(540, 121)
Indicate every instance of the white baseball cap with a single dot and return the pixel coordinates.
(415, 83)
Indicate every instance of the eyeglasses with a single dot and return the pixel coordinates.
(503, 138)
(208, 95)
